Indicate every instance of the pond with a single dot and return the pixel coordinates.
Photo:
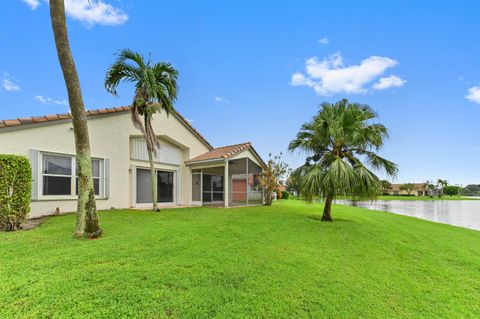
(463, 213)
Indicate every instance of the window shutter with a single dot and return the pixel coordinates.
(106, 177)
(34, 162)
(178, 187)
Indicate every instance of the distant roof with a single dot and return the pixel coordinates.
(418, 186)
(225, 152)
(66, 116)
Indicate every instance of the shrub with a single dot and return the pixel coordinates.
(15, 191)
(285, 195)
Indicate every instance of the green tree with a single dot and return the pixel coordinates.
(155, 91)
(87, 219)
(408, 187)
(385, 186)
(441, 184)
(338, 138)
(294, 182)
(452, 190)
(431, 188)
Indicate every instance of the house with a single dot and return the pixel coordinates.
(419, 189)
(190, 171)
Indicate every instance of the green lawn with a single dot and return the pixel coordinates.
(255, 262)
(393, 197)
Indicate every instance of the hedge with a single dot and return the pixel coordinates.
(15, 191)
(285, 195)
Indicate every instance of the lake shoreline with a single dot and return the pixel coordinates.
(459, 213)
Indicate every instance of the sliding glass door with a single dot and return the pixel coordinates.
(212, 188)
(165, 187)
(144, 186)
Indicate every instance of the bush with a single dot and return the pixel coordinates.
(279, 194)
(15, 191)
(285, 195)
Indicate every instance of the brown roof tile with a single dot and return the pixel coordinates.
(63, 116)
(25, 120)
(12, 122)
(39, 119)
(225, 152)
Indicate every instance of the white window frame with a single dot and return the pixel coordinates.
(160, 204)
(73, 177)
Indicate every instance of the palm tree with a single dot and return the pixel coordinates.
(155, 91)
(441, 183)
(385, 186)
(337, 139)
(430, 187)
(87, 218)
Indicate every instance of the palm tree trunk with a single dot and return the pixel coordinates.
(327, 210)
(87, 218)
(152, 168)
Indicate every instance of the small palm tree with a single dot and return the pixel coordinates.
(337, 139)
(385, 186)
(155, 91)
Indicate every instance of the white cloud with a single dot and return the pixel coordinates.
(474, 94)
(49, 101)
(33, 4)
(219, 99)
(90, 12)
(7, 84)
(389, 82)
(95, 12)
(330, 76)
(324, 41)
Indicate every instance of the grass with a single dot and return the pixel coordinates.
(252, 262)
(396, 197)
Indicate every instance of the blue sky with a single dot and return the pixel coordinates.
(256, 70)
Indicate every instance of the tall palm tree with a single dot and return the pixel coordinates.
(338, 140)
(441, 183)
(155, 91)
(87, 218)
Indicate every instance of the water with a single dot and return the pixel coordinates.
(463, 213)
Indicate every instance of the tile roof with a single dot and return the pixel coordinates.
(225, 152)
(57, 117)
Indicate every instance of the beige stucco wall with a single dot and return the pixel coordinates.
(110, 138)
(404, 193)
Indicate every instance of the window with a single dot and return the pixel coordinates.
(59, 175)
(164, 186)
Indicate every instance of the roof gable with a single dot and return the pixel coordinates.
(225, 152)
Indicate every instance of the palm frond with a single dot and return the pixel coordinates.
(337, 139)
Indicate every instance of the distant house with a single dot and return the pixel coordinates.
(420, 189)
(190, 171)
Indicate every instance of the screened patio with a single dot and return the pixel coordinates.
(227, 181)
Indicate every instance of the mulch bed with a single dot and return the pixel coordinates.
(31, 223)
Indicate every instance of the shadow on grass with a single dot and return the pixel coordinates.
(318, 218)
